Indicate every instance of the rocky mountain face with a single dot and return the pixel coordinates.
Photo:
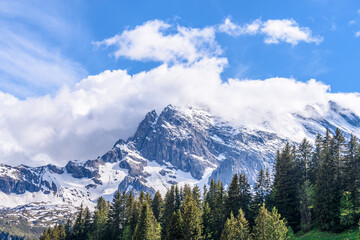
(177, 146)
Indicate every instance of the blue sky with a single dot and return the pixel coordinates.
(75, 76)
(67, 30)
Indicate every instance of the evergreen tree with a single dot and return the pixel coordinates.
(169, 209)
(197, 195)
(327, 196)
(236, 228)
(285, 183)
(269, 226)
(147, 227)
(177, 198)
(175, 227)
(87, 224)
(100, 219)
(232, 201)
(259, 194)
(191, 216)
(306, 201)
(67, 228)
(214, 215)
(303, 161)
(117, 217)
(244, 194)
(157, 205)
(347, 211)
(315, 160)
(78, 229)
(352, 170)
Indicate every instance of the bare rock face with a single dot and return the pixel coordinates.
(23, 178)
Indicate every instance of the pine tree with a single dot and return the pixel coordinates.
(87, 224)
(352, 170)
(269, 226)
(303, 161)
(347, 211)
(236, 228)
(327, 190)
(169, 209)
(315, 160)
(116, 221)
(285, 184)
(245, 194)
(306, 202)
(260, 194)
(214, 216)
(197, 195)
(232, 201)
(175, 227)
(157, 205)
(68, 226)
(191, 216)
(100, 219)
(78, 229)
(177, 198)
(147, 227)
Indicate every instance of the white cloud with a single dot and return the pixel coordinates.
(287, 31)
(84, 121)
(152, 41)
(233, 29)
(275, 31)
(357, 34)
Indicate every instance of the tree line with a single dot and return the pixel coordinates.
(311, 186)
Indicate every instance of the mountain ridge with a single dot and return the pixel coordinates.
(180, 145)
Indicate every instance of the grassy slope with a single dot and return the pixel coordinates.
(314, 235)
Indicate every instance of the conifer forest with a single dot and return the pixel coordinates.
(311, 186)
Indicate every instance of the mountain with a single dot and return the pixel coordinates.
(180, 145)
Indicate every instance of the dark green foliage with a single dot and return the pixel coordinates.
(245, 193)
(78, 230)
(303, 159)
(286, 186)
(347, 210)
(147, 227)
(191, 216)
(306, 205)
(327, 188)
(314, 163)
(100, 219)
(169, 209)
(232, 200)
(117, 217)
(236, 228)
(175, 227)
(352, 170)
(157, 205)
(269, 225)
(214, 212)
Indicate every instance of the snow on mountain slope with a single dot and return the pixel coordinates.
(180, 145)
